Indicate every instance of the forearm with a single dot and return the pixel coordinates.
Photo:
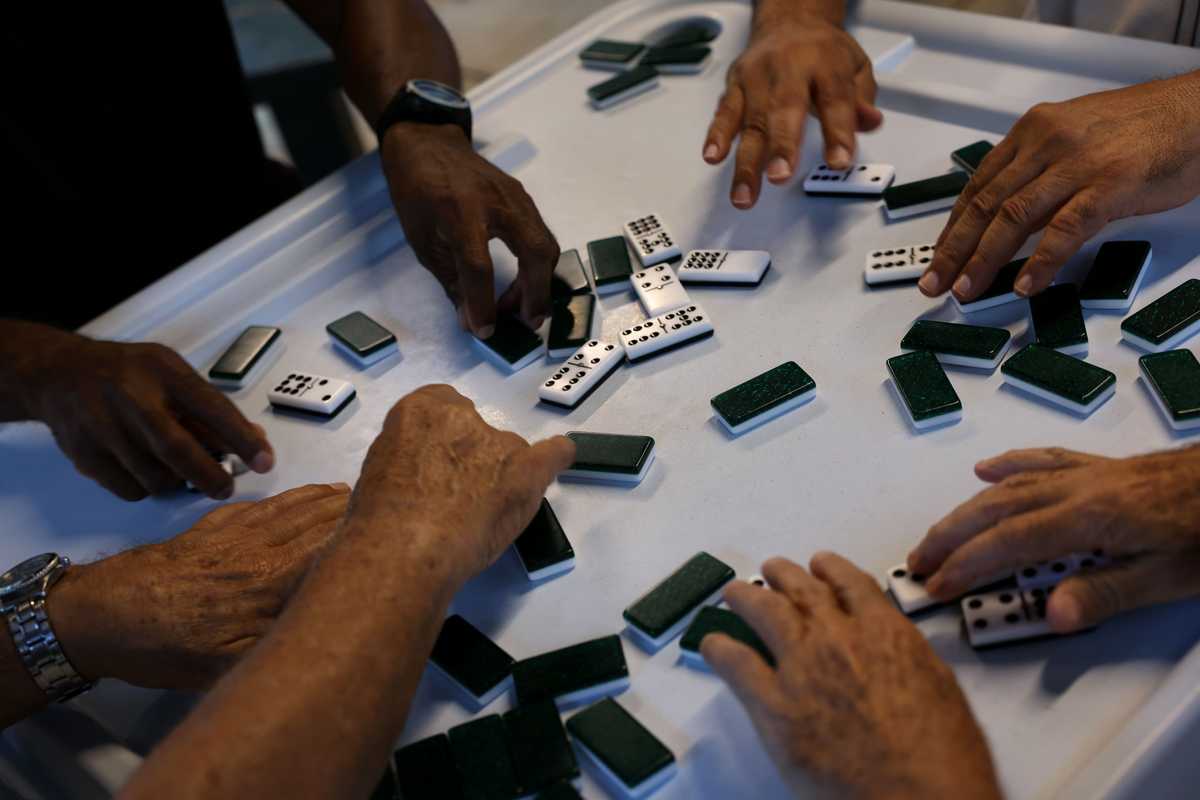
(382, 44)
(314, 709)
(768, 13)
(24, 349)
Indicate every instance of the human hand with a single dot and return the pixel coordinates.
(178, 613)
(858, 702)
(438, 468)
(451, 202)
(1070, 168)
(138, 420)
(788, 69)
(1046, 503)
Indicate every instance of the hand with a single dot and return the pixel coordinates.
(1070, 168)
(1047, 503)
(451, 202)
(138, 420)
(858, 701)
(788, 69)
(471, 489)
(177, 614)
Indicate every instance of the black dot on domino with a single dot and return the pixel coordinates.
(975, 603)
(898, 573)
(1005, 598)
(1012, 619)
(980, 623)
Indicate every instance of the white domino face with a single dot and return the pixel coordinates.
(1006, 616)
(651, 240)
(861, 179)
(742, 267)
(659, 290)
(313, 394)
(908, 589)
(895, 264)
(1051, 397)
(1051, 573)
(585, 370)
(670, 330)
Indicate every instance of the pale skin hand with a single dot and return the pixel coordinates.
(798, 61)
(1070, 168)
(858, 702)
(1046, 503)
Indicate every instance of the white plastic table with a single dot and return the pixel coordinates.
(1104, 714)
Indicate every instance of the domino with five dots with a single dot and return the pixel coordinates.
(1167, 322)
(573, 675)
(725, 267)
(662, 334)
(574, 381)
(860, 180)
(897, 264)
(1001, 291)
(631, 760)
(662, 613)
(472, 663)
(955, 344)
(651, 240)
(764, 397)
(659, 290)
(922, 197)
(1060, 379)
(908, 588)
(315, 395)
(1174, 380)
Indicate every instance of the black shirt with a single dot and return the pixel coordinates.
(127, 146)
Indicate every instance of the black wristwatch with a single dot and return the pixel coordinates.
(428, 102)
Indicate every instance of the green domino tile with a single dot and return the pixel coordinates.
(541, 755)
(481, 755)
(762, 393)
(1004, 281)
(512, 340)
(1058, 317)
(1175, 376)
(610, 260)
(569, 670)
(1115, 271)
(469, 657)
(571, 323)
(611, 51)
(687, 34)
(923, 384)
(425, 770)
(971, 156)
(677, 596)
(1168, 315)
(568, 279)
(620, 742)
(721, 620)
(956, 339)
(610, 452)
(560, 791)
(924, 191)
(543, 543)
(361, 334)
(1059, 374)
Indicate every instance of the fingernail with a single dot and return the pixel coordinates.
(839, 157)
(1023, 285)
(341, 485)
(710, 152)
(928, 283)
(962, 285)
(935, 584)
(779, 169)
(741, 195)
(263, 461)
(485, 332)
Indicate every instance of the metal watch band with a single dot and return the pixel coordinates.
(40, 651)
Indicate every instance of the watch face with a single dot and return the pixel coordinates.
(438, 93)
(25, 572)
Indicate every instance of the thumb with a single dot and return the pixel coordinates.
(1089, 598)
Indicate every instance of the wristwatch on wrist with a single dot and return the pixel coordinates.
(23, 605)
(428, 102)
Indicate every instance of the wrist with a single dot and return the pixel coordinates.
(74, 607)
(403, 139)
(406, 538)
(769, 15)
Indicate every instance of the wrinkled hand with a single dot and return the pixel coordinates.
(787, 70)
(451, 202)
(1070, 168)
(1047, 503)
(471, 489)
(138, 420)
(179, 613)
(858, 701)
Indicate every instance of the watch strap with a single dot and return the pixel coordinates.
(40, 651)
(406, 106)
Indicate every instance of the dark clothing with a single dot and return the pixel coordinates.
(127, 146)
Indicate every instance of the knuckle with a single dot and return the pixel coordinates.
(982, 205)
(1015, 212)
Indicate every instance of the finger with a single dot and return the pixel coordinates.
(995, 162)
(507, 305)
(979, 514)
(751, 151)
(323, 511)
(297, 556)
(139, 460)
(178, 450)
(855, 590)
(741, 667)
(1083, 216)
(1036, 459)
(474, 265)
(836, 106)
(727, 121)
(809, 595)
(200, 399)
(537, 251)
(774, 617)
(108, 472)
(264, 511)
(222, 515)
(868, 116)
(1088, 598)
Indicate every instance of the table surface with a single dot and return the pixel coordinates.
(1083, 716)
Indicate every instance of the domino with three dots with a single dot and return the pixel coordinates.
(897, 264)
(574, 381)
(662, 613)
(725, 267)
(315, 395)
(659, 290)
(860, 180)
(651, 240)
(573, 675)
(665, 333)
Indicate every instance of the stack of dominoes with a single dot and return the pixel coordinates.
(638, 64)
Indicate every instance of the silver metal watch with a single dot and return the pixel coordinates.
(23, 604)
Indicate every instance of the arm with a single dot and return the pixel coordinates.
(314, 710)
(798, 60)
(450, 201)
